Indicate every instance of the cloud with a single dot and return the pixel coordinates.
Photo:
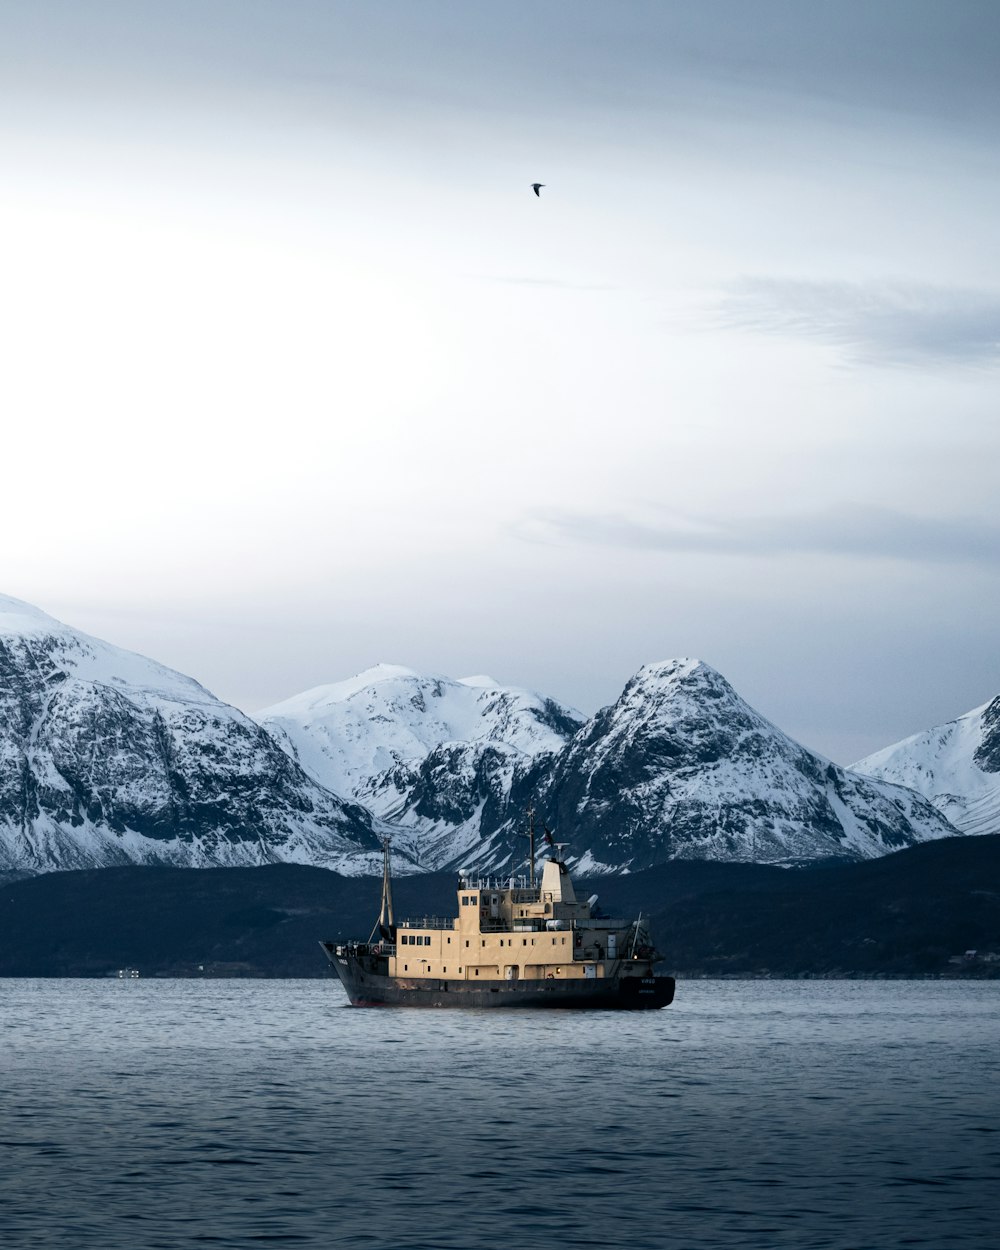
(875, 323)
(857, 533)
(557, 283)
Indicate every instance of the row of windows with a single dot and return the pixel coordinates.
(406, 968)
(420, 939)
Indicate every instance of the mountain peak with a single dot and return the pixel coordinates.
(420, 751)
(18, 617)
(683, 670)
(682, 767)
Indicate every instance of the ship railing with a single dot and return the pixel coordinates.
(365, 948)
(519, 886)
(428, 922)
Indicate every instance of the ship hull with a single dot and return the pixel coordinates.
(368, 986)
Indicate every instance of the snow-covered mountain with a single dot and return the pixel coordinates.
(682, 768)
(955, 766)
(107, 757)
(434, 757)
(679, 767)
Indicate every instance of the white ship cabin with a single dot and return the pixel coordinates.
(514, 931)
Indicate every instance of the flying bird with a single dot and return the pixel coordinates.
(537, 187)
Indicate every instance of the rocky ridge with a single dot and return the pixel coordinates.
(432, 757)
(107, 757)
(681, 767)
(955, 766)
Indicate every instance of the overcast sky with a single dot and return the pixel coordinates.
(298, 374)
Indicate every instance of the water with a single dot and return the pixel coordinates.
(750, 1114)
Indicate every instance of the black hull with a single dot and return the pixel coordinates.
(368, 986)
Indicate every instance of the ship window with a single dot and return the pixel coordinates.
(532, 941)
(449, 941)
(477, 972)
(553, 941)
(524, 941)
(466, 941)
(406, 967)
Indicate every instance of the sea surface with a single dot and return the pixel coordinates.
(847, 1114)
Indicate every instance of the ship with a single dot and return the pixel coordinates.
(514, 942)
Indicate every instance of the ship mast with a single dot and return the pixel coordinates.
(385, 931)
(531, 847)
(386, 885)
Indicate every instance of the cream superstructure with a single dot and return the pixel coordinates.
(514, 931)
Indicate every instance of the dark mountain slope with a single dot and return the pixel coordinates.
(908, 914)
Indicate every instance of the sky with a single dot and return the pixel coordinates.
(299, 375)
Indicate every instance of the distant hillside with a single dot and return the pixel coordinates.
(907, 914)
(913, 913)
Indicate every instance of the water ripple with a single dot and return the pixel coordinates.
(824, 1116)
